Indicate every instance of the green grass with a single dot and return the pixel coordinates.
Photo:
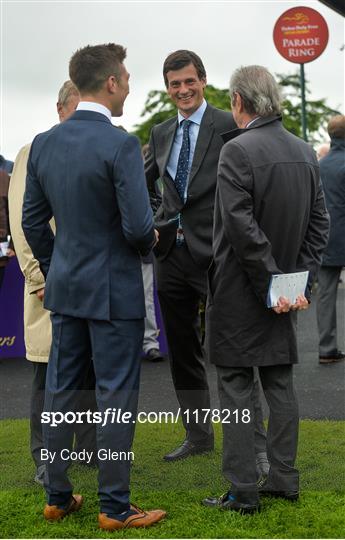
(179, 488)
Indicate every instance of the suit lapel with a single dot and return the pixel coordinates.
(204, 137)
(167, 142)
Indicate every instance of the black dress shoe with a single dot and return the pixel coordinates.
(240, 502)
(187, 449)
(154, 355)
(337, 356)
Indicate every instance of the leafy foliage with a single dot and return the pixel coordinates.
(158, 108)
(318, 112)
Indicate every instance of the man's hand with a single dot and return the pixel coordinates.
(300, 304)
(10, 253)
(283, 305)
(40, 294)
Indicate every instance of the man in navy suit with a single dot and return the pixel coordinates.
(89, 175)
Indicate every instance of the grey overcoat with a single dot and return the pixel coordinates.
(270, 218)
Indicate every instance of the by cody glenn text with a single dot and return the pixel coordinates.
(103, 454)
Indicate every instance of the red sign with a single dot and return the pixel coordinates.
(300, 35)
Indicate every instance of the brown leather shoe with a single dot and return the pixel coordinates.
(139, 519)
(54, 513)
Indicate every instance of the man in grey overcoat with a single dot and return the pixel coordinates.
(270, 218)
(332, 172)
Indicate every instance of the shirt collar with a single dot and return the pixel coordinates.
(95, 107)
(252, 121)
(196, 117)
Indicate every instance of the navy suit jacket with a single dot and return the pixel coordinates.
(89, 175)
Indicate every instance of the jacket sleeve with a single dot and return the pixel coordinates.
(35, 220)
(34, 278)
(152, 175)
(132, 196)
(315, 240)
(235, 195)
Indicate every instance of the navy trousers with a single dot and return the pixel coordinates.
(85, 434)
(115, 347)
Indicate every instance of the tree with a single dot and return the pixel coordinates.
(318, 112)
(158, 107)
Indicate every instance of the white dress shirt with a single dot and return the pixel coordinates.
(95, 107)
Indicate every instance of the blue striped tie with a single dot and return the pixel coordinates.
(183, 161)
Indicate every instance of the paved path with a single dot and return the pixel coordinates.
(321, 389)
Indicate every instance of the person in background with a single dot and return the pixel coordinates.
(270, 218)
(332, 172)
(6, 247)
(150, 343)
(322, 151)
(6, 165)
(37, 325)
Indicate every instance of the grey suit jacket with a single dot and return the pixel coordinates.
(197, 211)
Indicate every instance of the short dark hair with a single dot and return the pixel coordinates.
(180, 59)
(336, 127)
(90, 66)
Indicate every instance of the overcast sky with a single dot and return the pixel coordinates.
(38, 39)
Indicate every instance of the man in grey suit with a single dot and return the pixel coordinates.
(183, 154)
(270, 218)
(89, 175)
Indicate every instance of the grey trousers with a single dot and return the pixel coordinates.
(236, 392)
(151, 330)
(328, 280)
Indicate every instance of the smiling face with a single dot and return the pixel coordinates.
(185, 89)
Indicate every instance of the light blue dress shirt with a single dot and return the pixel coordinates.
(195, 118)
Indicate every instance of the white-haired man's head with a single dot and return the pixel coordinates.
(68, 100)
(253, 92)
